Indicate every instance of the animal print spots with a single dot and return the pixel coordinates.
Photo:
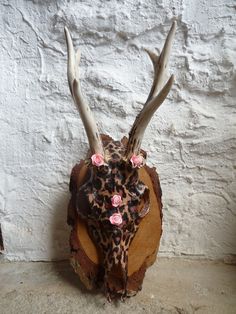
(116, 176)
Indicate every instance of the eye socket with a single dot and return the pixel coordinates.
(104, 170)
(134, 197)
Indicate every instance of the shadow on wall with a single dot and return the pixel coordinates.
(60, 249)
(60, 231)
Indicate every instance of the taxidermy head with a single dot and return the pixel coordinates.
(113, 200)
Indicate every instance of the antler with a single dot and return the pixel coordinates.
(157, 95)
(91, 129)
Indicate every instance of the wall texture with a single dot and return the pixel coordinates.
(191, 139)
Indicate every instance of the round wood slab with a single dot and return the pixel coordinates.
(85, 256)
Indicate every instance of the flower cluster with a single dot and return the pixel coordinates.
(116, 218)
(137, 161)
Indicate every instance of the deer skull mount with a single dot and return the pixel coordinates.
(111, 200)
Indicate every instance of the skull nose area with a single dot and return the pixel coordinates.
(114, 237)
(116, 263)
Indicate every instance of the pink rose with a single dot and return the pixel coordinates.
(97, 160)
(116, 200)
(116, 219)
(137, 161)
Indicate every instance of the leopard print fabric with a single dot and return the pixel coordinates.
(115, 177)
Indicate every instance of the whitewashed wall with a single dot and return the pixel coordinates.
(191, 139)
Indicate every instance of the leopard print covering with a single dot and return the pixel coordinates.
(94, 204)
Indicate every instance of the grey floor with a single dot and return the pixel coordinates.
(170, 286)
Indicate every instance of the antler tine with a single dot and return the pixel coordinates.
(86, 115)
(160, 63)
(157, 95)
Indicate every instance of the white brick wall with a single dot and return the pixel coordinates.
(191, 139)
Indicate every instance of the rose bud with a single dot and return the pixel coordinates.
(137, 161)
(97, 160)
(116, 200)
(116, 219)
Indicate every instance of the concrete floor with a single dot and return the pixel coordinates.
(171, 286)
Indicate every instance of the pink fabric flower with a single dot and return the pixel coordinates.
(116, 219)
(116, 200)
(97, 160)
(137, 161)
